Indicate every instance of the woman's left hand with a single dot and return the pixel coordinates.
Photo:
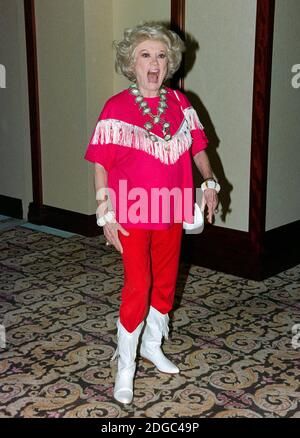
(211, 200)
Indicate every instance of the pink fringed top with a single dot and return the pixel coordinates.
(150, 183)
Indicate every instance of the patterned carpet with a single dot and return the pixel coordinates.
(59, 298)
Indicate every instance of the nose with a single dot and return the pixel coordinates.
(154, 61)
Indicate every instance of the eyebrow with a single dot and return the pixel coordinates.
(147, 50)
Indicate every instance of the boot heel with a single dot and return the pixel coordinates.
(147, 360)
(156, 328)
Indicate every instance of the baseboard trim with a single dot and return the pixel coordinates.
(222, 249)
(64, 220)
(12, 207)
(281, 248)
(232, 252)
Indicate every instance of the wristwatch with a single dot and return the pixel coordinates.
(210, 183)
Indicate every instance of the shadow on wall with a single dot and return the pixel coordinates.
(192, 47)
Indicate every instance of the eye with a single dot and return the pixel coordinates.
(162, 56)
(145, 55)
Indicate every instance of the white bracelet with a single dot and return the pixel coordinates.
(107, 218)
(210, 184)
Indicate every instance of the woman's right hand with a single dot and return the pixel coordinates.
(110, 231)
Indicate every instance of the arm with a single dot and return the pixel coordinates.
(110, 229)
(202, 162)
(210, 195)
(101, 190)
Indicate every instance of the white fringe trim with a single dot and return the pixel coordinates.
(192, 118)
(165, 328)
(125, 134)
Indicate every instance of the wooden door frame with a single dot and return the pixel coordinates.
(36, 207)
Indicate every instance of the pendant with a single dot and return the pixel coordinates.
(163, 104)
(153, 137)
(167, 137)
(148, 126)
(134, 91)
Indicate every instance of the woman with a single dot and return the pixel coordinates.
(141, 147)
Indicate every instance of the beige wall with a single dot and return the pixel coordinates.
(15, 174)
(221, 83)
(63, 101)
(283, 199)
(99, 85)
(76, 78)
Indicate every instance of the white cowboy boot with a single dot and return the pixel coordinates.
(126, 352)
(156, 328)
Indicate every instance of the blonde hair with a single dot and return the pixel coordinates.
(148, 31)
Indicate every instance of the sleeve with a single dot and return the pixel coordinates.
(98, 150)
(200, 141)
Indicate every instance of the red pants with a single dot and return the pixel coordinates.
(150, 261)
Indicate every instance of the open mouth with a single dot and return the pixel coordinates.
(153, 76)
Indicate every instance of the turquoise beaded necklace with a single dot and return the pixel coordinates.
(156, 119)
